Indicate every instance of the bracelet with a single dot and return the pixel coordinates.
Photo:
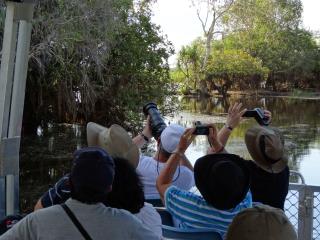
(228, 127)
(144, 137)
(179, 153)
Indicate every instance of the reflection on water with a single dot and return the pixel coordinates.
(47, 157)
(298, 119)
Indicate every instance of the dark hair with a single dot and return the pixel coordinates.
(86, 194)
(164, 152)
(127, 189)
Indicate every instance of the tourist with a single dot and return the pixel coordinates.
(127, 190)
(263, 223)
(269, 172)
(150, 167)
(83, 216)
(222, 179)
(269, 169)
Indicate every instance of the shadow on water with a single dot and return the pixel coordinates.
(47, 157)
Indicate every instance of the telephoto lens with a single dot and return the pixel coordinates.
(157, 123)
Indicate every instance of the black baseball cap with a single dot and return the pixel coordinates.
(92, 169)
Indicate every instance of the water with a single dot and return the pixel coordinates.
(47, 157)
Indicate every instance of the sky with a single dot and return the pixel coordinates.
(180, 23)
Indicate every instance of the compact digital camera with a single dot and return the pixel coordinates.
(258, 115)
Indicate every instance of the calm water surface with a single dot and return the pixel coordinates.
(47, 157)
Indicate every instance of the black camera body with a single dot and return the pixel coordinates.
(157, 123)
(201, 129)
(258, 115)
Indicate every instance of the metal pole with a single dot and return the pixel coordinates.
(6, 71)
(15, 47)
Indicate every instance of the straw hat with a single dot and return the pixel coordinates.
(261, 222)
(115, 140)
(266, 147)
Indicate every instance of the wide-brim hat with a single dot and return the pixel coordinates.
(266, 147)
(115, 140)
(222, 179)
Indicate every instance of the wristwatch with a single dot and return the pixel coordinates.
(144, 137)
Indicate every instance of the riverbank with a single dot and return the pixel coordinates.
(296, 94)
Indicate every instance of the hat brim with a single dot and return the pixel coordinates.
(202, 169)
(252, 138)
(93, 131)
(129, 151)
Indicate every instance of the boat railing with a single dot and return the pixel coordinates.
(302, 207)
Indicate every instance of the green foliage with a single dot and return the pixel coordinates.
(270, 30)
(234, 68)
(263, 41)
(189, 61)
(235, 63)
(97, 60)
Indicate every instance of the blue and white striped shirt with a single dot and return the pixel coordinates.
(192, 211)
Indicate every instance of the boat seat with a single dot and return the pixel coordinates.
(155, 202)
(171, 232)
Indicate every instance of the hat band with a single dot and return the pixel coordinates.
(262, 145)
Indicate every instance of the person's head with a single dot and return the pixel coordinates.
(127, 189)
(222, 179)
(261, 222)
(266, 147)
(115, 140)
(91, 175)
(169, 139)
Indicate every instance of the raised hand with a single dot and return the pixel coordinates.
(235, 115)
(185, 140)
(147, 129)
(213, 139)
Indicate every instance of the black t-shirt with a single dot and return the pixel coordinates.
(269, 188)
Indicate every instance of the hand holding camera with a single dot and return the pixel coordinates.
(263, 117)
(185, 140)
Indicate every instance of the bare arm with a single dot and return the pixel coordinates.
(184, 161)
(164, 179)
(233, 119)
(140, 140)
(215, 145)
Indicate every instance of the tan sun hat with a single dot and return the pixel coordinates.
(261, 223)
(266, 147)
(115, 140)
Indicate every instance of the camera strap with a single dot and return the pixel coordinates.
(76, 222)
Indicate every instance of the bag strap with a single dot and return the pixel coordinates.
(76, 222)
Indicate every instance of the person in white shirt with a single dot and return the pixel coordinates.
(150, 167)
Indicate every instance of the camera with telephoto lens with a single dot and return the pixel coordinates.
(157, 123)
(258, 115)
(201, 129)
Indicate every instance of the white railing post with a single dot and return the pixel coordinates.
(13, 74)
(305, 214)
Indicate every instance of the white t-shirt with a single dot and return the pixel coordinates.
(149, 169)
(150, 218)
